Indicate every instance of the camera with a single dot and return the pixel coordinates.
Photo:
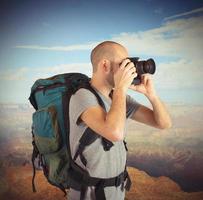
(142, 67)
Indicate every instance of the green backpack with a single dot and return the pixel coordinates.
(50, 136)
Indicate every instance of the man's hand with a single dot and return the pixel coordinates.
(124, 75)
(146, 86)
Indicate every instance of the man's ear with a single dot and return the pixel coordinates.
(106, 66)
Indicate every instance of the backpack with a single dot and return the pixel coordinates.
(50, 136)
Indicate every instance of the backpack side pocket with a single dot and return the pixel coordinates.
(46, 130)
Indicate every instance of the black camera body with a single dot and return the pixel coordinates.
(142, 67)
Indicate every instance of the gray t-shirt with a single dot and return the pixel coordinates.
(100, 163)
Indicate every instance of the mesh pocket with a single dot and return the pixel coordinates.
(46, 129)
(57, 164)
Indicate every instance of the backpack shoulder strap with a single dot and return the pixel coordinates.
(89, 136)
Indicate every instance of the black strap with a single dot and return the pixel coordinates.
(33, 100)
(35, 153)
(106, 144)
(99, 190)
(88, 137)
(34, 156)
(79, 152)
(100, 183)
(85, 179)
(128, 183)
(83, 192)
(125, 144)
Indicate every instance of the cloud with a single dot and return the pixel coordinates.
(44, 72)
(178, 38)
(180, 74)
(16, 84)
(14, 74)
(185, 13)
(28, 73)
(59, 48)
(179, 41)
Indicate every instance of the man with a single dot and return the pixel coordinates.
(112, 71)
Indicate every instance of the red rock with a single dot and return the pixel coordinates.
(17, 186)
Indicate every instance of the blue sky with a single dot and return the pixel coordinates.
(41, 38)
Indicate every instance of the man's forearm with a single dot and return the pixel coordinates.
(116, 116)
(161, 115)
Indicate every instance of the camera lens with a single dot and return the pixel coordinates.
(149, 66)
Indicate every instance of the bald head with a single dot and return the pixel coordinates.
(106, 50)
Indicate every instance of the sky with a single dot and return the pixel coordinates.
(39, 39)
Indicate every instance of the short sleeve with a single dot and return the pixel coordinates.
(131, 106)
(80, 101)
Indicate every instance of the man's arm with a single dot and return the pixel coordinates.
(157, 118)
(108, 124)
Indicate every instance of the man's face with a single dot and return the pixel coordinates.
(121, 55)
